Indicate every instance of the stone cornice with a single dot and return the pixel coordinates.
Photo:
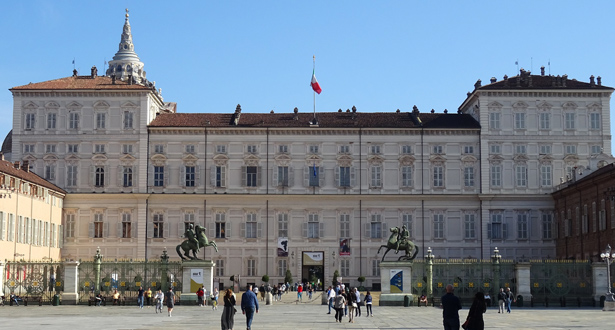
(98, 93)
(308, 131)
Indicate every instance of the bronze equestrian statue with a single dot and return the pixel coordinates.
(399, 240)
(195, 240)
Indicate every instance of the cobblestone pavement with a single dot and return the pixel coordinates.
(288, 315)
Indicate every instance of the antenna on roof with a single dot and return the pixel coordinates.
(549, 64)
(73, 64)
(517, 64)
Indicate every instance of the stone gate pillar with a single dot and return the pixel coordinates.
(522, 274)
(2, 264)
(70, 296)
(600, 280)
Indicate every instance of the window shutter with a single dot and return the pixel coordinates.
(119, 230)
(106, 229)
(321, 176)
(133, 229)
(165, 230)
(291, 176)
(489, 231)
(120, 176)
(304, 229)
(166, 174)
(337, 176)
(368, 230)
(90, 231)
(242, 229)
(212, 175)
(222, 176)
(150, 230)
(107, 175)
(259, 174)
(385, 229)
(353, 180)
(227, 229)
(135, 177)
(504, 231)
(321, 229)
(182, 176)
(306, 176)
(180, 229)
(244, 175)
(212, 230)
(274, 176)
(150, 179)
(197, 176)
(259, 230)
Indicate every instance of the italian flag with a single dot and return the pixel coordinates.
(315, 84)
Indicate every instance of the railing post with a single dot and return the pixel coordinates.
(97, 261)
(495, 258)
(164, 285)
(70, 296)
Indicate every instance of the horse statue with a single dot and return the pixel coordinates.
(399, 241)
(195, 240)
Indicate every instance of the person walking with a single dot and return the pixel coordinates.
(299, 292)
(200, 293)
(140, 293)
(249, 305)
(352, 305)
(158, 298)
(450, 309)
(148, 297)
(169, 298)
(475, 315)
(501, 300)
(368, 304)
(358, 310)
(228, 314)
(339, 304)
(214, 299)
(331, 297)
(510, 297)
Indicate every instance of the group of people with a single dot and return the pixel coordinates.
(474, 320)
(347, 302)
(201, 295)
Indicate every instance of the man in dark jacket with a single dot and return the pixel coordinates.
(249, 305)
(450, 309)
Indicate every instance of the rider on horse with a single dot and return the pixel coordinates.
(190, 234)
(402, 238)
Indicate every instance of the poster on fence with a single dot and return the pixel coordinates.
(397, 283)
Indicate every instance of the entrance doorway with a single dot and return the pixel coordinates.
(313, 268)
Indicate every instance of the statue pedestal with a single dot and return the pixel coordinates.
(195, 274)
(396, 282)
(609, 306)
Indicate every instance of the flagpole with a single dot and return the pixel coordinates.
(314, 92)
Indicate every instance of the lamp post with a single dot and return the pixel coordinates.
(429, 259)
(164, 258)
(608, 257)
(97, 261)
(495, 258)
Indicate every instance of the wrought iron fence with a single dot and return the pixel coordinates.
(561, 283)
(34, 282)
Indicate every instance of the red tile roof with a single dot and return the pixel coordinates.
(81, 83)
(8, 168)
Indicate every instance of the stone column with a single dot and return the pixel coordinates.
(601, 282)
(70, 296)
(2, 264)
(522, 273)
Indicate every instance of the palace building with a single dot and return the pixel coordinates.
(310, 193)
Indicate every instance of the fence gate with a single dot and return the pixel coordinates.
(34, 282)
(561, 283)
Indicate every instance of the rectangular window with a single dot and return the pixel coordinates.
(73, 148)
(494, 120)
(220, 176)
(158, 176)
(437, 150)
(520, 149)
(251, 176)
(28, 148)
(158, 222)
(406, 220)
(376, 176)
(219, 267)
(99, 148)
(521, 175)
(190, 149)
(469, 224)
(30, 121)
(282, 176)
(594, 121)
(251, 149)
(438, 226)
(251, 225)
(345, 267)
(221, 225)
(344, 176)
(468, 176)
(190, 176)
(520, 120)
(375, 150)
(544, 120)
(282, 267)
(438, 176)
(73, 120)
(127, 176)
(496, 227)
(495, 149)
(51, 120)
(546, 175)
(406, 176)
(313, 149)
(99, 176)
(283, 149)
(596, 150)
(188, 220)
(571, 149)
(376, 267)
(50, 148)
(468, 150)
(406, 150)
(344, 225)
(159, 149)
(522, 226)
(98, 225)
(314, 174)
(220, 149)
(50, 172)
(101, 120)
(375, 226)
(126, 225)
(313, 226)
(282, 224)
(344, 149)
(128, 119)
(252, 267)
(71, 176)
(547, 226)
(127, 149)
(545, 149)
(11, 228)
(569, 121)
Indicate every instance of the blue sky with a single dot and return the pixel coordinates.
(209, 56)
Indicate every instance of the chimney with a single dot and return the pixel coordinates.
(354, 112)
(599, 80)
(493, 80)
(542, 70)
(591, 81)
(1, 156)
(236, 115)
(296, 115)
(94, 72)
(25, 166)
(477, 84)
(74, 72)
(16, 165)
(564, 79)
(415, 110)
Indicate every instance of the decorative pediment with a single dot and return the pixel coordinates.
(159, 160)
(52, 105)
(494, 105)
(29, 158)
(190, 159)
(129, 104)
(594, 107)
(545, 159)
(72, 159)
(406, 160)
(468, 159)
(496, 159)
(571, 159)
(99, 159)
(519, 105)
(344, 160)
(49, 158)
(312, 160)
(437, 159)
(220, 159)
(282, 160)
(544, 106)
(127, 159)
(100, 105)
(375, 159)
(521, 158)
(74, 106)
(30, 106)
(251, 160)
(569, 106)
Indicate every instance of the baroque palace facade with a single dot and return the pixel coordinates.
(312, 194)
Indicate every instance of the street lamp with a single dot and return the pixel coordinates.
(496, 257)
(608, 257)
